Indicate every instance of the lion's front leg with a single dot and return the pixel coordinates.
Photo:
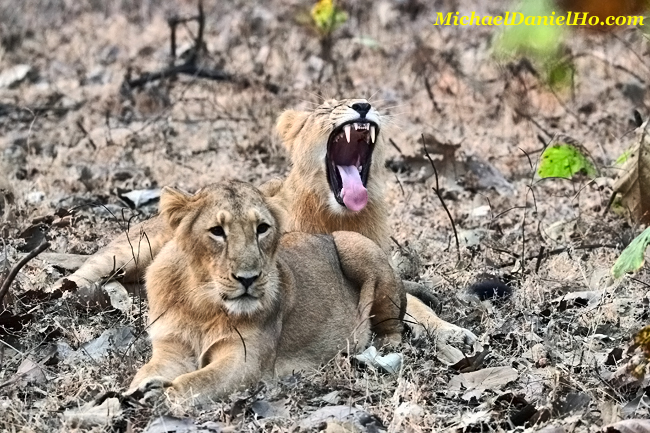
(126, 257)
(228, 366)
(170, 359)
(382, 296)
(454, 340)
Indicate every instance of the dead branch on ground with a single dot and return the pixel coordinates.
(436, 189)
(191, 66)
(14, 271)
(541, 254)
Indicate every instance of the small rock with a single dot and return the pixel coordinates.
(98, 75)
(35, 197)
(168, 424)
(30, 372)
(489, 177)
(481, 211)
(12, 76)
(472, 238)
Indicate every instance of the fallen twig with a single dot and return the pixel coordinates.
(555, 252)
(427, 86)
(437, 191)
(540, 255)
(191, 66)
(26, 114)
(391, 141)
(185, 68)
(14, 271)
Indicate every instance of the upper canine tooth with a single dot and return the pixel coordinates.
(372, 134)
(346, 128)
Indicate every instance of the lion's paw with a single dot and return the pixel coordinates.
(453, 343)
(85, 293)
(150, 389)
(448, 333)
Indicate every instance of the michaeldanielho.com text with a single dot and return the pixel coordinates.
(517, 18)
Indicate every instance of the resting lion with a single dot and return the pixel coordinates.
(232, 301)
(336, 182)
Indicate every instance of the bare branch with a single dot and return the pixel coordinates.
(437, 191)
(14, 271)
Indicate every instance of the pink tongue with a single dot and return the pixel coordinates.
(354, 194)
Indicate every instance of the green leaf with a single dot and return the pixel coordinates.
(538, 41)
(559, 74)
(563, 160)
(632, 257)
(624, 157)
(327, 17)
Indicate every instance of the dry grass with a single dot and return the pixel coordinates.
(190, 132)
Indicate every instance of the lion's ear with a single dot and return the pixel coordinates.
(289, 124)
(271, 187)
(174, 205)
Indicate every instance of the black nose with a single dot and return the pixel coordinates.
(246, 282)
(362, 108)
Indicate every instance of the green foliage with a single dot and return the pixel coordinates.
(632, 257)
(564, 160)
(559, 73)
(624, 157)
(327, 17)
(539, 43)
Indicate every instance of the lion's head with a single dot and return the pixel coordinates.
(229, 235)
(339, 142)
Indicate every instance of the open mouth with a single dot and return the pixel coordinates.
(349, 154)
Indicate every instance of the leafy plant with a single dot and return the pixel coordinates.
(632, 257)
(540, 43)
(327, 17)
(624, 157)
(564, 160)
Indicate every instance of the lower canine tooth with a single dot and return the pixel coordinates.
(360, 168)
(347, 132)
(372, 134)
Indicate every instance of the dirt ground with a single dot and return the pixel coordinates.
(73, 140)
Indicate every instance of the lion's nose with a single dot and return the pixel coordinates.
(246, 281)
(362, 108)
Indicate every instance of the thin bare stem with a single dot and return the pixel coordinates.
(437, 191)
(14, 271)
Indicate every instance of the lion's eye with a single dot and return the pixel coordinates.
(218, 231)
(263, 228)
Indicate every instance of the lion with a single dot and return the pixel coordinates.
(232, 300)
(336, 183)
